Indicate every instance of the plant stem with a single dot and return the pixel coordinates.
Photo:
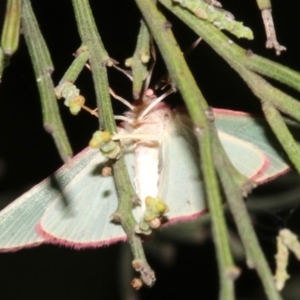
(282, 133)
(2, 63)
(98, 60)
(229, 51)
(89, 35)
(236, 203)
(273, 99)
(11, 29)
(254, 254)
(184, 81)
(227, 271)
(139, 60)
(82, 55)
(43, 68)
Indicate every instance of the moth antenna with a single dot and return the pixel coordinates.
(188, 51)
(155, 102)
(166, 79)
(124, 101)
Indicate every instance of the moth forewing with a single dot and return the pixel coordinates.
(180, 184)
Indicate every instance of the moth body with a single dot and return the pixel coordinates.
(146, 163)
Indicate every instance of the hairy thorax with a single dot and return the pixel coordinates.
(146, 166)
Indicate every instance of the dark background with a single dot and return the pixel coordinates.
(28, 154)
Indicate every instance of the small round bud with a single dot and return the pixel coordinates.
(74, 108)
(145, 57)
(137, 264)
(106, 171)
(136, 283)
(80, 100)
(155, 223)
(149, 200)
(128, 62)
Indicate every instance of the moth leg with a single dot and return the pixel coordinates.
(124, 101)
(127, 73)
(111, 91)
(165, 80)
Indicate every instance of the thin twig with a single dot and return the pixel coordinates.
(11, 29)
(254, 254)
(43, 68)
(184, 81)
(98, 60)
(229, 51)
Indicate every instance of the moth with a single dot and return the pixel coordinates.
(73, 206)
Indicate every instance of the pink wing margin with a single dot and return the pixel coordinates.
(18, 220)
(255, 130)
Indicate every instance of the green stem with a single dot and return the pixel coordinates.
(138, 62)
(82, 55)
(240, 60)
(272, 70)
(273, 99)
(263, 4)
(244, 183)
(228, 50)
(89, 35)
(265, 91)
(176, 65)
(2, 63)
(124, 215)
(255, 256)
(282, 133)
(216, 16)
(11, 29)
(227, 271)
(98, 60)
(43, 68)
(184, 81)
